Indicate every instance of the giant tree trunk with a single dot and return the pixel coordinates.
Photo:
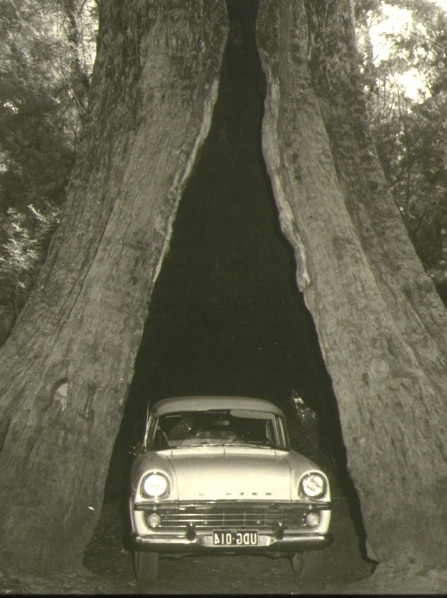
(381, 326)
(68, 363)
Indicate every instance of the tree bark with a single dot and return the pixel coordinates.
(67, 365)
(381, 325)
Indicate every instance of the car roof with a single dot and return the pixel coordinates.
(207, 402)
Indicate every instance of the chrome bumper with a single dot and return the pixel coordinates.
(277, 542)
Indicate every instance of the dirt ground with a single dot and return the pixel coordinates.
(108, 569)
(242, 574)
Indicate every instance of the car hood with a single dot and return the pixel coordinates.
(226, 473)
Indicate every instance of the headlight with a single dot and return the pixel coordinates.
(155, 485)
(313, 485)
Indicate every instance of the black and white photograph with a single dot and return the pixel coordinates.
(223, 291)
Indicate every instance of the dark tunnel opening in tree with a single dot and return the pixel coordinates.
(226, 316)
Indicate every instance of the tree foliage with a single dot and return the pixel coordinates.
(47, 53)
(68, 363)
(47, 50)
(409, 125)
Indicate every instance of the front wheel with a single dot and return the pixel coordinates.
(145, 565)
(306, 565)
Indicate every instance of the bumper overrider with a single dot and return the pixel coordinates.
(196, 528)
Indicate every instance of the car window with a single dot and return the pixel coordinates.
(216, 428)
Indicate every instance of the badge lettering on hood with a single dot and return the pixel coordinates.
(240, 494)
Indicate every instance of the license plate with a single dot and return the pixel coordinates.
(235, 538)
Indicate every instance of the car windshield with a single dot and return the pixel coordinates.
(217, 428)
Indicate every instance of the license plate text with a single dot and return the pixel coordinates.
(235, 538)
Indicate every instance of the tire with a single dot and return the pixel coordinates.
(306, 565)
(145, 565)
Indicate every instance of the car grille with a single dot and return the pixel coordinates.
(266, 516)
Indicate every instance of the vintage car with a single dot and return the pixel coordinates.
(215, 475)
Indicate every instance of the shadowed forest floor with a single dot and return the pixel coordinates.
(108, 570)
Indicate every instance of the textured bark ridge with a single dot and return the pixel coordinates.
(381, 326)
(67, 366)
(68, 363)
